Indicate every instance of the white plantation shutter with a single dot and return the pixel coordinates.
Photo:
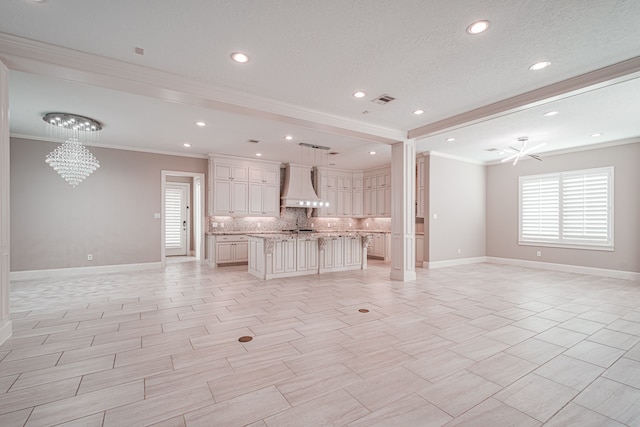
(585, 206)
(173, 217)
(540, 205)
(573, 208)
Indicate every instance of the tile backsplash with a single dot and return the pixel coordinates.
(293, 219)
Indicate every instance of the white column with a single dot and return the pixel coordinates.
(403, 218)
(5, 320)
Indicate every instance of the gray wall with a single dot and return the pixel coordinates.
(109, 215)
(502, 208)
(456, 193)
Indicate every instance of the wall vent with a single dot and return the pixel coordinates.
(383, 99)
(253, 141)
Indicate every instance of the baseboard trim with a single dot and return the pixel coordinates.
(5, 330)
(81, 271)
(453, 262)
(603, 272)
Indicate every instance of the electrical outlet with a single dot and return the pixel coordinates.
(435, 216)
(329, 225)
(214, 224)
(259, 225)
(459, 251)
(156, 215)
(222, 225)
(90, 257)
(539, 253)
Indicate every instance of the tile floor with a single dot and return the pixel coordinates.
(476, 345)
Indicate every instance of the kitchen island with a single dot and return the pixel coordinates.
(295, 254)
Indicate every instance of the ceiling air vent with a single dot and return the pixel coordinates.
(333, 153)
(253, 141)
(491, 149)
(383, 99)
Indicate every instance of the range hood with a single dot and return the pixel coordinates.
(298, 190)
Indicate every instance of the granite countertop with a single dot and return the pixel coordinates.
(316, 235)
(261, 233)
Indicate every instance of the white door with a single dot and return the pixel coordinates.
(176, 218)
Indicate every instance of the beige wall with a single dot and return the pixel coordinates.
(502, 208)
(456, 194)
(110, 214)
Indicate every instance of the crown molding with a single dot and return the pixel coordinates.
(452, 157)
(39, 58)
(602, 77)
(578, 149)
(114, 147)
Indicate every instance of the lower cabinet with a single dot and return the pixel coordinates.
(352, 251)
(379, 246)
(270, 258)
(284, 256)
(307, 256)
(228, 249)
(419, 250)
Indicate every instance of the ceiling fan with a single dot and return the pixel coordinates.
(522, 151)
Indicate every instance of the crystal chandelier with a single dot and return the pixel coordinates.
(71, 159)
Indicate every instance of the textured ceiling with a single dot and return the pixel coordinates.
(310, 56)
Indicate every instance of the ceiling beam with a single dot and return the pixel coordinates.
(79, 67)
(602, 77)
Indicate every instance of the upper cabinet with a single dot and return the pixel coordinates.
(242, 187)
(355, 193)
(377, 192)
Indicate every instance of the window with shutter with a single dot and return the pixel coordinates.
(568, 209)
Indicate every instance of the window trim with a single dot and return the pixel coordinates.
(559, 242)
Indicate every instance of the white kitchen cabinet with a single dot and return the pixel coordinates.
(334, 253)
(263, 199)
(344, 182)
(239, 187)
(377, 192)
(231, 172)
(284, 256)
(379, 247)
(370, 202)
(307, 255)
(383, 179)
(419, 250)
(230, 198)
(352, 251)
(383, 201)
(345, 202)
(228, 249)
(370, 182)
(265, 175)
(358, 203)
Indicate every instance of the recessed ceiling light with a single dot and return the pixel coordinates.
(186, 144)
(201, 124)
(450, 139)
(478, 27)
(359, 94)
(550, 113)
(418, 112)
(259, 154)
(539, 65)
(240, 57)
(288, 137)
(372, 152)
(595, 135)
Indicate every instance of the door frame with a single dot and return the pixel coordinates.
(197, 202)
(187, 202)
